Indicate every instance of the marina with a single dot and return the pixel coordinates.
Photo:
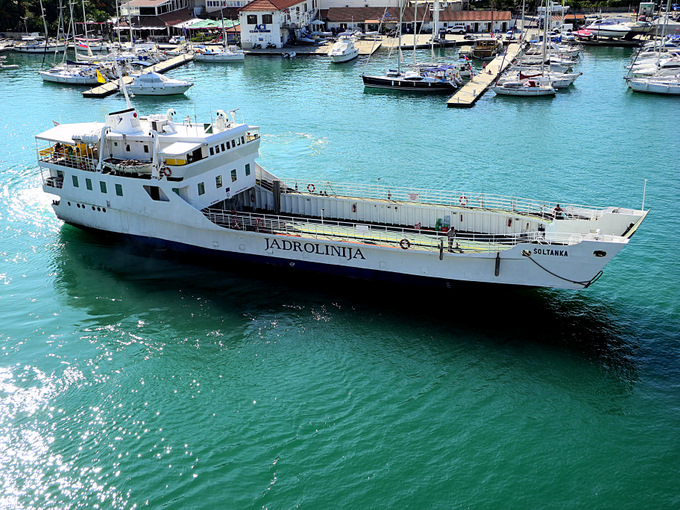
(322, 391)
(468, 95)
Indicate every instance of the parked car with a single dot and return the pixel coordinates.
(456, 30)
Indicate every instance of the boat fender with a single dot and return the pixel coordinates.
(252, 197)
(509, 222)
(463, 200)
(405, 244)
(354, 208)
(311, 188)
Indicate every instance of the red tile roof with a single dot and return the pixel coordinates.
(269, 5)
(361, 14)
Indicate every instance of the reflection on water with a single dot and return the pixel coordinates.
(108, 276)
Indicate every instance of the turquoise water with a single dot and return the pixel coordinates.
(130, 378)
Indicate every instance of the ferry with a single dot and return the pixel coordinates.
(197, 187)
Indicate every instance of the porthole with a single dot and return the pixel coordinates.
(600, 253)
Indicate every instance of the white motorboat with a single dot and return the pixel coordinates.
(155, 84)
(344, 49)
(666, 25)
(666, 85)
(610, 28)
(196, 186)
(525, 88)
(215, 54)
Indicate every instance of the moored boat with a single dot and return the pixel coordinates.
(155, 84)
(200, 189)
(344, 49)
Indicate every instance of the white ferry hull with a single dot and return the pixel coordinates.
(567, 267)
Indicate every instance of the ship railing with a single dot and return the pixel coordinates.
(454, 199)
(306, 229)
(55, 182)
(59, 154)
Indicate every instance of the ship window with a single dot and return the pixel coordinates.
(102, 186)
(233, 175)
(251, 19)
(223, 148)
(201, 188)
(229, 145)
(212, 151)
(218, 181)
(146, 149)
(127, 148)
(175, 191)
(267, 19)
(156, 193)
(119, 190)
(247, 168)
(75, 181)
(88, 184)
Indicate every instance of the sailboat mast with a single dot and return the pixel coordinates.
(415, 25)
(401, 19)
(84, 23)
(521, 37)
(545, 35)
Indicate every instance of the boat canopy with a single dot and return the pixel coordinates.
(64, 133)
(179, 148)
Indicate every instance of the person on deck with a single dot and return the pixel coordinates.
(451, 234)
(558, 213)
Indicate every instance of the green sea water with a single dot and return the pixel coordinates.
(129, 378)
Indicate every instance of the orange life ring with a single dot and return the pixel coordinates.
(463, 200)
(236, 224)
(311, 188)
(405, 244)
(82, 165)
(165, 171)
(259, 222)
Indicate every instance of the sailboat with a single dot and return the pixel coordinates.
(414, 80)
(71, 73)
(661, 81)
(538, 85)
(224, 54)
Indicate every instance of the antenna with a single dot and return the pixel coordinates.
(123, 87)
(644, 191)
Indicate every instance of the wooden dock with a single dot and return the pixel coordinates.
(467, 95)
(111, 87)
